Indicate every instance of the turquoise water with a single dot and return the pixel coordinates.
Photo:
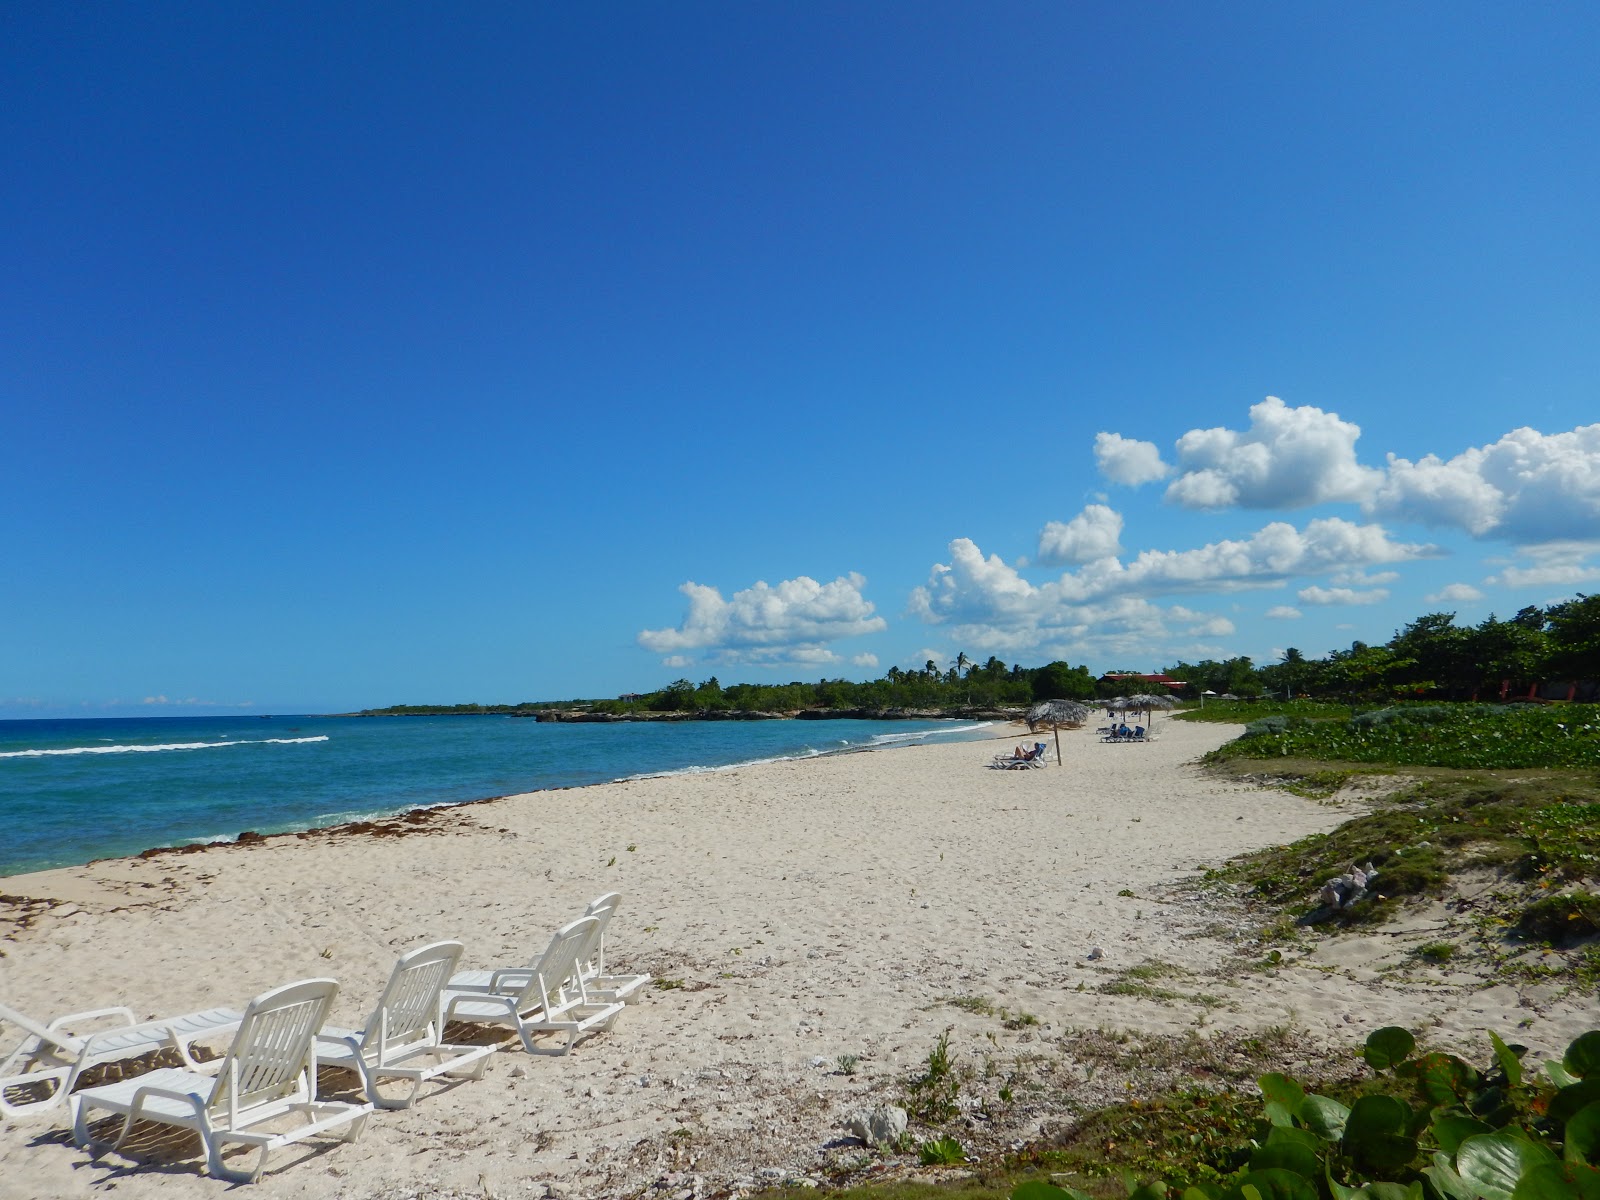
(73, 791)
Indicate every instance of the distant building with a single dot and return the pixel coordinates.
(1129, 680)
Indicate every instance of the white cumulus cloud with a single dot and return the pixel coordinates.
(1528, 487)
(1341, 595)
(864, 660)
(1283, 612)
(987, 590)
(1288, 458)
(1128, 460)
(1094, 533)
(1452, 593)
(1552, 564)
(790, 623)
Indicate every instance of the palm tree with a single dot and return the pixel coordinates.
(962, 663)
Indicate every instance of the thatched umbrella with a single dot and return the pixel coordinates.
(1056, 713)
(1147, 703)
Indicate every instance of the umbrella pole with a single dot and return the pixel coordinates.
(1058, 745)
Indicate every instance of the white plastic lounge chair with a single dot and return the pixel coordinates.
(600, 983)
(548, 997)
(269, 1074)
(1037, 757)
(40, 1072)
(402, 1037)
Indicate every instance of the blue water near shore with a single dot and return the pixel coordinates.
(73, 791)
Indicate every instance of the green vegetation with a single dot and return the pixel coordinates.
(1542, 832)
(1432, 658)
(963, 684)
(1410, 1126)
(1428, 1126)
(1463, 736)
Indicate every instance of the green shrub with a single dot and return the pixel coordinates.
(1440, 1129)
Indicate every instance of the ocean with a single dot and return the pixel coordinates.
(76, 790)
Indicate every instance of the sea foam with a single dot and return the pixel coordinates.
(54, 752)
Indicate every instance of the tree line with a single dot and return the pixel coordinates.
(1431, 657)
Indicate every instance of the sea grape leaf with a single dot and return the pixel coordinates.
(1583, 1055)
(1582, 1135)
(1570, 1099)
(1559, 1075)
(1385, 1151)
(1336, 1189)
(1375, 1114)
(1388, 1046)
(1559, 1181)
(1289, 1156)
(1391, 1191)
(1324, 1117)
(1149, 1191)
(1283, 1096)
(1196, 1193)
(1443, 1078)
(1493, 1163)
(1450, 1132)
(1509, 1061)
(1446, 1181)
(1275, 1183)
(1279, 1134)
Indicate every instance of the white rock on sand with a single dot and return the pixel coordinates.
(830, 908)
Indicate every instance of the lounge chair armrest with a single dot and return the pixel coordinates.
(345, 1038)
(454, 998)
(512, 979)
(64, 1024)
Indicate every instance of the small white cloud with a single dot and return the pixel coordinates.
(789, 623)
(1340, 595)
(1552, 564)
(677, 660)
(1094, 533)
(1452, 593)
(1288, 458)
(1127, 460)
(1283, 612)
(865, 660)
(1360, 578)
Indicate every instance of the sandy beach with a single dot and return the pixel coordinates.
(820, 916)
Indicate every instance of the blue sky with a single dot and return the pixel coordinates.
(402, 353)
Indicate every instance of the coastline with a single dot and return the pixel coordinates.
(84, 792)
(804, 912)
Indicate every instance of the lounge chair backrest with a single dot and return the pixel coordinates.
(410, 1003)
(602, 908)
(271, 1053)
(557, 968)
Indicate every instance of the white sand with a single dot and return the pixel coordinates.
(813, 909)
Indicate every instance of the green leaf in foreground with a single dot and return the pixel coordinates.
(1559, 1181)
(1450, 1132)
(1274, 1183)
(1583, 1056)
(1324, 1117)
(1493, 1163)
(1283, 1096)
(1388, 1046)
(1510, 1062)
(1583, 1135)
